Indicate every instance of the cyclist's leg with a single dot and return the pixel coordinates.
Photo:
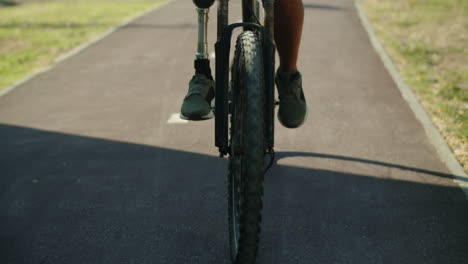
(289, 19)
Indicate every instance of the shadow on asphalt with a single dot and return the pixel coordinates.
(282, 155)
(74, 199)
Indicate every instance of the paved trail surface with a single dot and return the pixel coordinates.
(91, 172)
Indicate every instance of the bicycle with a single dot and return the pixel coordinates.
(248, 101)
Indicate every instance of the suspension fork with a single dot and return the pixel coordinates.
(222, 80)
(269, 64)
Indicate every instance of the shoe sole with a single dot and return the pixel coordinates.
(210, 115)
(300, 124)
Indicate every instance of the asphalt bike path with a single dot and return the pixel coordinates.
(96, 167)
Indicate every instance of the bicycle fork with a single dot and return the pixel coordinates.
(222, 48)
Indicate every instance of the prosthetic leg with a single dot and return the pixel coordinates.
(202, 57)
(196, 104)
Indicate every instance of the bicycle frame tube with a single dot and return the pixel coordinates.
(249, 10)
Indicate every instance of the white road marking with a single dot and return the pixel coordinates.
(175, 119)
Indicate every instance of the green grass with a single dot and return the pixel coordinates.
(34, 33)
(428, 42)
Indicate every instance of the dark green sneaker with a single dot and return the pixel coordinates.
(196, 105)
(292, 110)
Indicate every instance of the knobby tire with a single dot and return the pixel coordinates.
(245, 180)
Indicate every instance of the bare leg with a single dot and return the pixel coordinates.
(289, 18)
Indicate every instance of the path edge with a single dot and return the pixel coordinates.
(435, 137)
(81, 48)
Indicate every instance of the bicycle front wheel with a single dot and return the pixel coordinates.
(245, 188)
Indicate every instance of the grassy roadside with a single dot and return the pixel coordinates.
(34, 33)
(428, 42)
